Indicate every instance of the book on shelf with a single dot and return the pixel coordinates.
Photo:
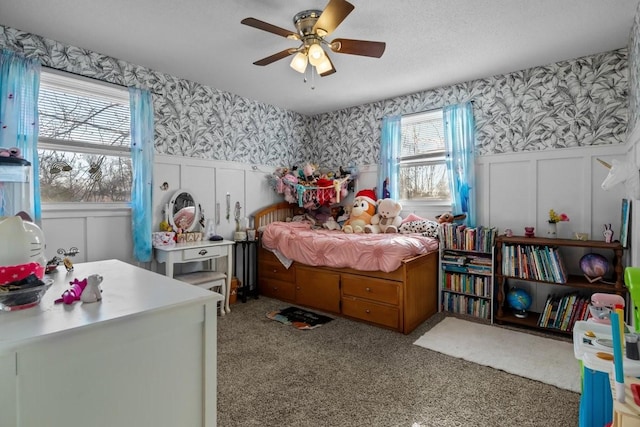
(561, 312)
(461, 237)
(542, 263)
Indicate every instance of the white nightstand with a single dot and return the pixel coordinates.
(201, 251)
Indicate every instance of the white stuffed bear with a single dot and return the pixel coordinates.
(387, 218)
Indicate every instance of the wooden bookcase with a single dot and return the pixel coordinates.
(573, 282)
(466, 271)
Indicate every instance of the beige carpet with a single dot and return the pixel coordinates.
(538, 358)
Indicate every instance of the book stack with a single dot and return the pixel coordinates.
(461, 237)
(562, 312)
(462, 304)
(542, 263)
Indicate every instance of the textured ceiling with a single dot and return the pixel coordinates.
(430, 43)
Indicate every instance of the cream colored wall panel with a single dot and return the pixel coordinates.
(65, 233)
(561, 186)
(200, 180)
(109, 238)
(168, 173)
(258, 192)
(511, 201)
(229, 182)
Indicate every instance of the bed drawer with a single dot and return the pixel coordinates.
(371, 312)
(277, 289)
(369, 288)
(275, 270)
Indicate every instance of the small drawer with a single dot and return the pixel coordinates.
(373, 289)
(371, 312)
(276, 289)
(202, 253)
(275, 270)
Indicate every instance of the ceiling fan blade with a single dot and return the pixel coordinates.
(330, 71)
(275, 57)
(358, 47)
(265, 26)
(333, 14)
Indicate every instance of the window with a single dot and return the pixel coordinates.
(423, 173)
(84, 140)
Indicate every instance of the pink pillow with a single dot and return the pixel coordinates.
(412, 217)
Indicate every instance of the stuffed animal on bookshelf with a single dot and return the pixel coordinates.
(363, 209)
(448, 217)
(387, 218)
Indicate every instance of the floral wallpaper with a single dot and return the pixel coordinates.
(191, 119)
(634, 64)
(572, 103)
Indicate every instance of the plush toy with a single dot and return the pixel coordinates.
(387, 219)
(415, 224)
(363, 209)
(448, 217)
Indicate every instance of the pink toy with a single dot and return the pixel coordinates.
(73, 294)
(602, 305)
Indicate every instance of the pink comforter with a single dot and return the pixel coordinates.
(331, 248)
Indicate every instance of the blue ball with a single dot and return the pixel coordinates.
(519, 299)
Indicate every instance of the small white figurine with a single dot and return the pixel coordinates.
(608, 233)
(92, 291)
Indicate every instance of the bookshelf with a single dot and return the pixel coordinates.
(466, 270)
(540, 260)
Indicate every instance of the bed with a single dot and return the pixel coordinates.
(395, 297)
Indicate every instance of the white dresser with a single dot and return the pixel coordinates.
(143, 356)
(206, 251)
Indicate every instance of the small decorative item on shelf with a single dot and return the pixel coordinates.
(508, 232)
(594, 267)
(608, 233)
(554, 219)
(528, 232)
(520, 301)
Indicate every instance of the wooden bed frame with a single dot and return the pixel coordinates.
(399, 300)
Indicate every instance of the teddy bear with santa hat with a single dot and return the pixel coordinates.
(362, 210)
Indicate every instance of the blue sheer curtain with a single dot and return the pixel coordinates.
(142, 162)
(19, 87)
(459, 139)
(389, 170)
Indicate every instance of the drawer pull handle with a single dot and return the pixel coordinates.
(298, 288)
(367, 289)
(275, 271)
(203, 252)
(367, 311)
(275, 288)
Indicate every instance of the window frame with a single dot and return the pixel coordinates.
(422, 159)
(82, 85)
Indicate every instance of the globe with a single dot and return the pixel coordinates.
(519, 300)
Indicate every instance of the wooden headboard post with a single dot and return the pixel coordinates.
(278, 212)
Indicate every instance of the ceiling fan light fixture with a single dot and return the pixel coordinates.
(299, 62)
(316, 54)
(324, 65)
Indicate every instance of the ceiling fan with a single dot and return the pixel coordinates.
(312, 27)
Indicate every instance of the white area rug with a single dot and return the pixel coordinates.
(542, 359)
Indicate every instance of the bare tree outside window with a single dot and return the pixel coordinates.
(84, 142)
(423, 173)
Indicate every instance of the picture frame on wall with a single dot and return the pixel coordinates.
(624, 222)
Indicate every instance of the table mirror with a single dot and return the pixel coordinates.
(184, 210)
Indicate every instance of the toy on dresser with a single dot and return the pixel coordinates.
(86, 290)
